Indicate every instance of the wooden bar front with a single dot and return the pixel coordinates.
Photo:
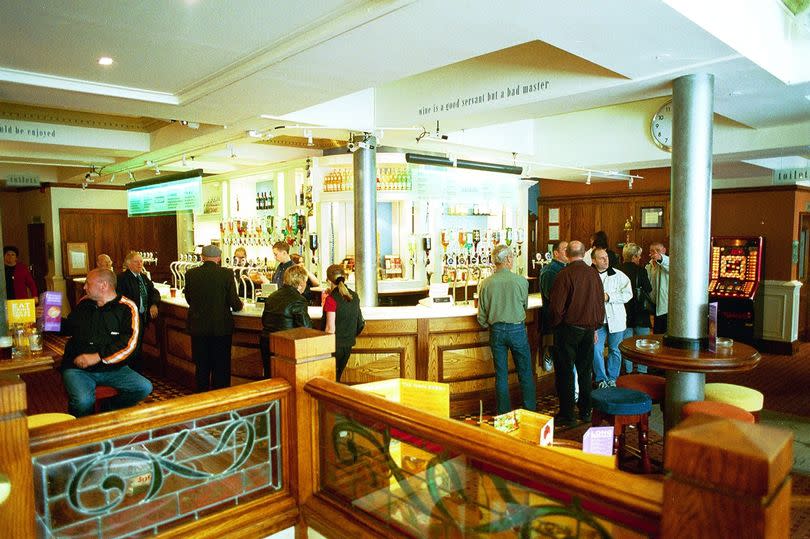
(397, 342)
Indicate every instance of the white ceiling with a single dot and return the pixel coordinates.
(227, 63)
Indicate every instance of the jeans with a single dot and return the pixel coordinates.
(512, 337)
(80, 385)
(629, 332)
(575, 349)
(614, 359)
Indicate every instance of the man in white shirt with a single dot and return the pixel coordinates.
(618, 291)
(658, 272)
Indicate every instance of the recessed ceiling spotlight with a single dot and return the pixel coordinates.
(105, 61)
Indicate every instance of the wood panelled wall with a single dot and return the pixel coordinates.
(581, 216)
(112, 232)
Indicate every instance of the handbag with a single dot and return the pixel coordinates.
(643, 299)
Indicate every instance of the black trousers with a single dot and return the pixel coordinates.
(660, 324)
(342, 354)
(212, 356)
(574, 348)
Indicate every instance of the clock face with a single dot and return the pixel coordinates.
(661, 127)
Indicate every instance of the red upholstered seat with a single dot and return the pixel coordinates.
(646, 383)
(718, 409)
(102, 394)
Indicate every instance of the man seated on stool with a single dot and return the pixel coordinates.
(104, 329)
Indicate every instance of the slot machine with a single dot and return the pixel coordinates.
(735, 271)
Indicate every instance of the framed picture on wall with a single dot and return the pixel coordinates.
(554, 215)
(76, 258)
(652, 217)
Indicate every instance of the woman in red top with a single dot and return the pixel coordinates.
(19, 281)
(342, 316)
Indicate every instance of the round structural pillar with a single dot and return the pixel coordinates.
(365, 221)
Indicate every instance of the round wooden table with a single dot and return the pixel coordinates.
(686, 369)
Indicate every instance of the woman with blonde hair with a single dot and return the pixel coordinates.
(342, 316)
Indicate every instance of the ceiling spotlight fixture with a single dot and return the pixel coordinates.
(157, 170)
(254, 134)
(630, 183)
(84, 185)
(150, 163)
(230, 150)
(131, 176)
(308, 134)
(588, 179)
(105, 61)
(112, 178)
(183, 161)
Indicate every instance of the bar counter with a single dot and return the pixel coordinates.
(440, 344)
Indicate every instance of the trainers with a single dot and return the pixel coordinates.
(602, 384)
(611, 383)
(547, 363)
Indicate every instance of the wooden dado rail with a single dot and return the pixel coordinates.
(723, 478)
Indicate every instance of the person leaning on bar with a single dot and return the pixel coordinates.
(286, 308)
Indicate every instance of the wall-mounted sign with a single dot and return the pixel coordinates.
(23, 180)
(87, 137)
(169, 197)
(791, 175)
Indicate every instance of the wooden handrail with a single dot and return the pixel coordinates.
(97, 428)
(638, 498)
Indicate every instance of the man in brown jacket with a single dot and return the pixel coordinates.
(577, 308)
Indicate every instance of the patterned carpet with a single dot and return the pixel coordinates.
(783, 380)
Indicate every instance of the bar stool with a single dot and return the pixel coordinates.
(103, 394)
(743, 397)
(40, 420)
(717, 409)
(622, 407)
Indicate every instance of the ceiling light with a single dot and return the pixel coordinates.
(157, 170)
(254, 134)
(183, 161)
(588, 179)
(131, 176)
(105, 61)
(630, 183)
(112, 178)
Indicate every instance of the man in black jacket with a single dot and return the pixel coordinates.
(104, 330)
(286, 308)
(211, 295)
(135, 285)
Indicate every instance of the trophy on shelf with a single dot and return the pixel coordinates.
(313, 246)
(426, 246)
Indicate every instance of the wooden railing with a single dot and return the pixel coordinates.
(723, 478)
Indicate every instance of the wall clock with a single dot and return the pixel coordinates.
(661, 127)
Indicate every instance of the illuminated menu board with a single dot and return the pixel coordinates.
(168, 197)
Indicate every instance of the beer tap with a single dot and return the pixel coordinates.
(476, 239)
(301, 223)
(313, 246)
(412, 254)
(426, 246)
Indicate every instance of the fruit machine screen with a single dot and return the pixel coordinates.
(735, 267)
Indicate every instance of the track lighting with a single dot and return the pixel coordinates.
(157, 170)
(421, 159)
(183, 161)
(588, 179)
(231, 151)
(131, 176)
